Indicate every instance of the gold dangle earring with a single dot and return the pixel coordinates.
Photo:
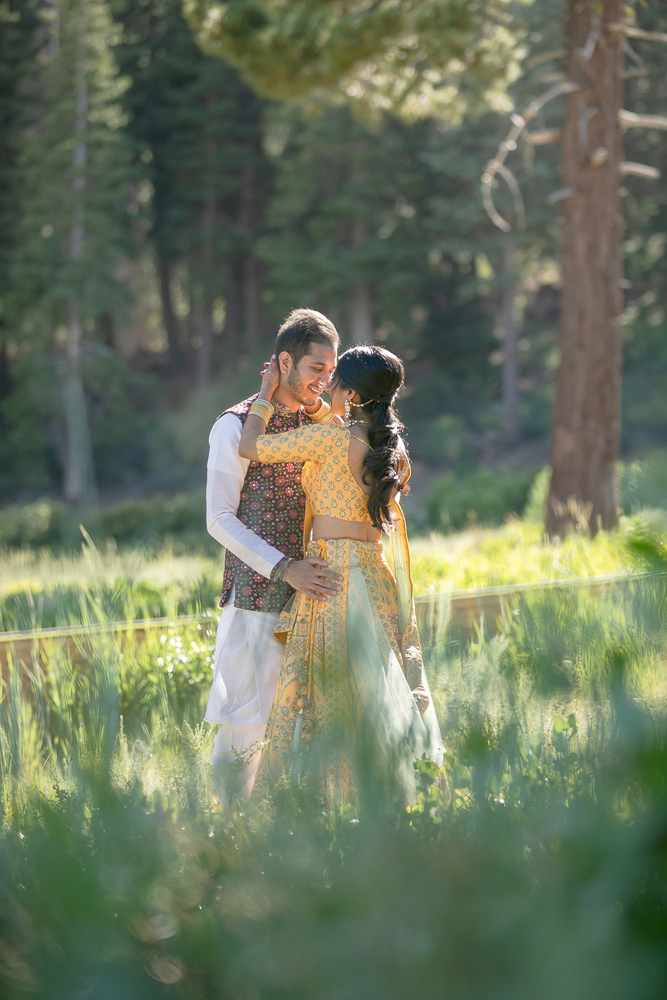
(347, 410)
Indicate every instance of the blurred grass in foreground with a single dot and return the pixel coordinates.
(546, 873)
(40, 589)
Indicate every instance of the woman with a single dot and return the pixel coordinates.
(351, 691)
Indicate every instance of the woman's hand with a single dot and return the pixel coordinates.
(270, 379)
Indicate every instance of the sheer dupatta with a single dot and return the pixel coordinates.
(409, 633)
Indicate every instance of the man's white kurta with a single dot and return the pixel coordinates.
(247, 655)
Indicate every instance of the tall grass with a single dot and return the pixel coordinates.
(543, 873)
(39, 589)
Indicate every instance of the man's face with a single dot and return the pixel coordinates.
(311, 376)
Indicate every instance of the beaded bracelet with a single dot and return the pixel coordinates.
(280, 570)
(261, 408)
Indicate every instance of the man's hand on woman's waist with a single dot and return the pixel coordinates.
(309, 576)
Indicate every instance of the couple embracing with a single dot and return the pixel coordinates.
(318, 673)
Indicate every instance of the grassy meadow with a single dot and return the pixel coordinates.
(40, 588)
(542, 870)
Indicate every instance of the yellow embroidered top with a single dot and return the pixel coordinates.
(332, 490)
(327, 481)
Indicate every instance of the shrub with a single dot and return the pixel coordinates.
(122, 875)
(130, 522)
(536, 504)
(643, 483)
(491, 496)
(34, 524)
(484, 496)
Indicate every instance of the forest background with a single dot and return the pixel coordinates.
(209, 211)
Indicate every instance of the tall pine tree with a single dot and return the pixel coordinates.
(197, 131)
(75, 224)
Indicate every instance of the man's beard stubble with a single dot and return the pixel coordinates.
(299, 389)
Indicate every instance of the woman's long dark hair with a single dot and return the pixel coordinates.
(377, 375)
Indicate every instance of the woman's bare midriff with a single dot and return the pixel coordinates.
(328, 528)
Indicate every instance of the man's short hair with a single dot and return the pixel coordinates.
(301, 329)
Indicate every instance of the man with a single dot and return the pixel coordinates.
(257, 513)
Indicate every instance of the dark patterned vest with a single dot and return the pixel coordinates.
(273, 505)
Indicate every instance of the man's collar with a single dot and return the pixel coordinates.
(283, 410)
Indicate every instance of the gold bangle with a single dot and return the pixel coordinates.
(322, 415)
(261, 408)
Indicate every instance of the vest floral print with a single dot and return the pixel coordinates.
(273, 505)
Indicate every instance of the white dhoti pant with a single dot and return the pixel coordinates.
(245, 676)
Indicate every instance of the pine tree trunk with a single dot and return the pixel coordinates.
(361, 313)
(252, 286)
(205, 352)
(79, 478)
(168, 315)
(5, 376)
(361, 295)
(231, 330)
(510, 368)
(586, 423)
(252, 302)
(107, 331)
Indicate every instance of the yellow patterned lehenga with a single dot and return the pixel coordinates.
(352, 695)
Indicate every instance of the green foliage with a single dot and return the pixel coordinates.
(484, 496)
(127, 440)
(393, 211)
(645, 263)
(196, 130)
(28, 453)
(43, 591)
(647, 537)
(519, 552)
(60, 195)
(643, 483)
(188, 167)
(129, 522)
(565, 639)
(19, 24)
(32, 524)
(536, 503)
(121, 870)
(435, 56)
(188, 427)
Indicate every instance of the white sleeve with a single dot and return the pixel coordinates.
(225, 475)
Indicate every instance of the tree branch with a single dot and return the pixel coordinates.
(515, 190)
(623, 28)
(554, 77)
(540, 137)
(628, 119)
(639, 170)
(496, 165)
(545, 57)
(561, 194)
